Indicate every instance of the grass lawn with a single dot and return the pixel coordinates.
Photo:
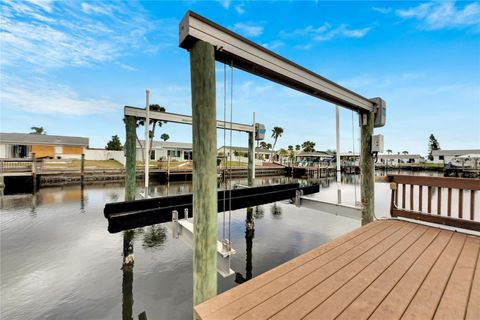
(89, 164)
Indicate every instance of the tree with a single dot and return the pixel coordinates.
(38, 130)
(265, 145)
(164, 137)
(157, 108)
(405, 152)
(389, 151)
(114, 144)
(141, 122)
(276, 133)
(432, 145)
(290, 148)
(308, 146)
(298, 147)
(282, 153)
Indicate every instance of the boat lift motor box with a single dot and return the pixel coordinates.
(260, 131)
(377, 143)
(380, 112)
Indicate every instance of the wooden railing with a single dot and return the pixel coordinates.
(423, 198)
(19, 165)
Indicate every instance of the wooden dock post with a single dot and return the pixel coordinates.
(130, 154)
(82, 168)
(367, 168)
(204, 175)
(34, 172)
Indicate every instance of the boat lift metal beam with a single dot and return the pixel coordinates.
(180, 118)
(232, 49)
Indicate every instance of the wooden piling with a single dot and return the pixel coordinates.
(82, 168)
(367, 169)
(204, 175)
(34, 172)
(130, 154)
(251, 158)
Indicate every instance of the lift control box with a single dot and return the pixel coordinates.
(260, 131)
(377, 143)
(380, 112)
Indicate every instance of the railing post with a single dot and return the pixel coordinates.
(367, 169)
(204, 175)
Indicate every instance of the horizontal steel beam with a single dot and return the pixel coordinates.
(179, 118)
(246, 55)
(333, 208)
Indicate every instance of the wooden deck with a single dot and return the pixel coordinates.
(389, 269)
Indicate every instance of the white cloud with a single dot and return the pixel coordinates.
(225, 3)
(39, 96)
(323, 33)
(41, 35)
(274, 44)
(383, 10)
(240, 8)
(248, 29)
(439, 15)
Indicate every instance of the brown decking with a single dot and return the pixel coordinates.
(389, 269)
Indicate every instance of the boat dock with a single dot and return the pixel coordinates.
(388, 269)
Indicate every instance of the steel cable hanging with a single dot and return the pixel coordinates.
(224, 140)
(230, 178)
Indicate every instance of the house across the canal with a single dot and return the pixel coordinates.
(260, 154)
(446, 156)
(163, 150)
(22, 145)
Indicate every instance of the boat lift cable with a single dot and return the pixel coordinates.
(353, 149)
(230, 178)
(224, 140)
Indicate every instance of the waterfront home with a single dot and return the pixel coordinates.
(163, 150)
(242, 152)
(446, 156)
(22, 145)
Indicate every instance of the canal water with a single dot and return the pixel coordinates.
(59, 262)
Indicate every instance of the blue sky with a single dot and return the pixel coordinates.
(72, 66)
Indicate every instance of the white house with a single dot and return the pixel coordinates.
(161, 150)
(22, 145)
(393, 159)
(261, 154)
(445, 156)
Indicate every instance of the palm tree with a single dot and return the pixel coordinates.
(405, 152)
(276, 133)
(164, 137)
(38, 130)
(298, 147)
(154, 122)
(389, 151)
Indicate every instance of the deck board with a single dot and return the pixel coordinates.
(388, 269)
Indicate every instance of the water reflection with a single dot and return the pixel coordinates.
(276, 210)
(127, 280)
(259, 212)
(249, 235)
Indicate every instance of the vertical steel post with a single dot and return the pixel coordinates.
(339, 172)
(147, 141)
(204, 176)
(130, 161)
(367, 168)
(251, 155)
